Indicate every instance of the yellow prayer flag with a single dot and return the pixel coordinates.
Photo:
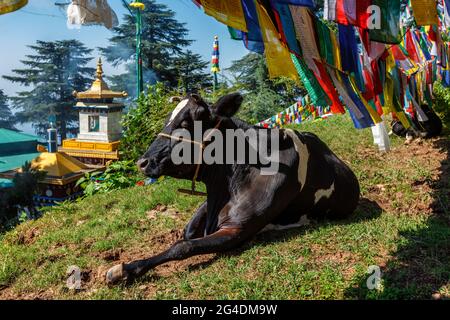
(278, 57)
(425, 12)
(7, 6)
(402, 117)
(229, 12)
(336, 51)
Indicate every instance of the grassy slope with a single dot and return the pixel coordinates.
(402, 225)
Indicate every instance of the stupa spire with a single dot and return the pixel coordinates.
(99, 69)
(99, 88)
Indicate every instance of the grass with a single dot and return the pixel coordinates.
(402, 226)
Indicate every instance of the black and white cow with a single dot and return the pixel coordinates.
(311, 182)
(426, 124)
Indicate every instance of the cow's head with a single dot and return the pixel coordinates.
(157, 160)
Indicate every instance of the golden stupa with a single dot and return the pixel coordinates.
(100, 123)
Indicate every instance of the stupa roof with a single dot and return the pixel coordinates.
(99, 88)
(58, 164)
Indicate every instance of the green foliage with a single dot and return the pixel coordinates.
(7, 119)
(191, 72)
(442, 102)
(53, 71)
(325, 260)
(143, 122)
(264, 96)
(163, 40)
(20, 195)
(118, 175)
(261, 105)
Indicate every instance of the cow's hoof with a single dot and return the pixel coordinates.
(116, 274)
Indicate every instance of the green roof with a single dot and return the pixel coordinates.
(9, 136)
(16, 161)
(5, 183)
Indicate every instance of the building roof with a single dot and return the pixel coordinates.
(99, 88)
(6, 183)
(58, 164)
(8, 163)
(61, 168)
(10, 136)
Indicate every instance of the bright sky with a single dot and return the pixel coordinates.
(42, 20)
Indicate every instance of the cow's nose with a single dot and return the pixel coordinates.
(142, 164)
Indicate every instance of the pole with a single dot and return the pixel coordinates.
(139, 7)
(140, 79)
(216, 82)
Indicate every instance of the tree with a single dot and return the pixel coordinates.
(265, 96)
(7, 119)
(143, 123)
(163, 39)
(191, 72)
(20, 196)
(249, 72)
(53, 71)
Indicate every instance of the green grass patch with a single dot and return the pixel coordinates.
(402, 226)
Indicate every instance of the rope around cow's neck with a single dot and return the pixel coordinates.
(193, 192)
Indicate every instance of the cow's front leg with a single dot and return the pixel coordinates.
(222, 240)
(196, 227)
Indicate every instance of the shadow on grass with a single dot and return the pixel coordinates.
(421, 267)
(367, 210)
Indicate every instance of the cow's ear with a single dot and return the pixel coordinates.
(228, 105)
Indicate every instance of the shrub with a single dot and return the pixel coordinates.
(442, 102)
(26, 184)
(145, 121)
(118, 175)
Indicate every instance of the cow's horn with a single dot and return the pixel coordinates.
(175, 99)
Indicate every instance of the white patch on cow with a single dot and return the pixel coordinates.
(323, 193)
(177, 110)
(304, 221)
(303, 154)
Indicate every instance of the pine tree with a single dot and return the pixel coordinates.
(53, 72)
(192, 72)
(7, 119)
(163, 39)
(249, 72)
(265, 96)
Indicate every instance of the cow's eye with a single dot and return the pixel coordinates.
(185, 124)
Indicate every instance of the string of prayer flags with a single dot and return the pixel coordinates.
(302, 111)
(378, 61)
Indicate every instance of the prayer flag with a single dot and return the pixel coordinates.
(229, 12)
(7, 6)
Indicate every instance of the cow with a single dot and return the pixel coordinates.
(427, 125)
(311, 182)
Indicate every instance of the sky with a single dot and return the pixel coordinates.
(42, 20)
